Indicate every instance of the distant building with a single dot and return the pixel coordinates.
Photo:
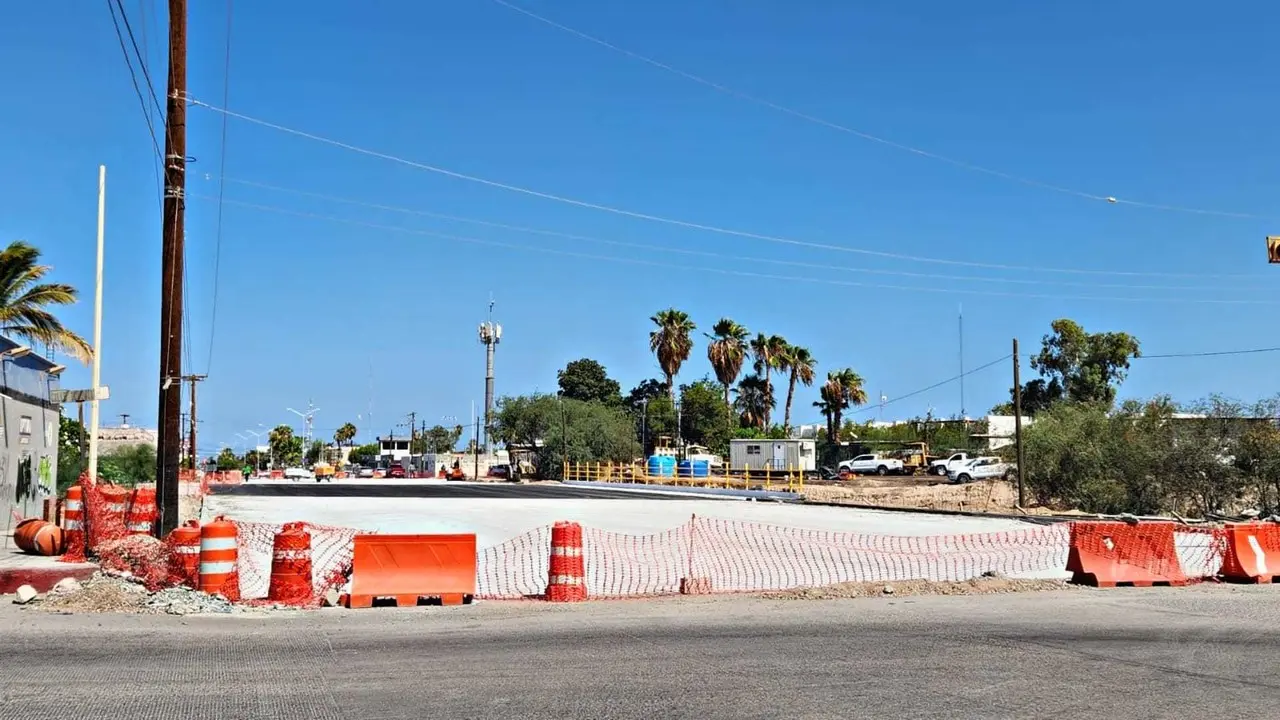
(29, 427)
(1000, 430)
(393, 449)
(114, 438)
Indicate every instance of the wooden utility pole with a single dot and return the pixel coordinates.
(1017, 425)
(191, 416)
(169, 438)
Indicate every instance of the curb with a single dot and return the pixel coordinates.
(43, 578)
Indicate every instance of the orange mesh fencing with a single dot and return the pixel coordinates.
(331, 553)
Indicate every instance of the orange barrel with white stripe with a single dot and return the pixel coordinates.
(114, 506)
(38, 537)
(218, 556)
(291, 566)
(73, 524)
(142, 512)
(184, 555)
(567, 581)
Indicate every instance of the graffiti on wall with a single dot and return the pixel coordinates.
(45, 476)
(26, 480)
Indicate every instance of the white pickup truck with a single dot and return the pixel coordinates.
(946, 465)
(871, 464)
(983, 468)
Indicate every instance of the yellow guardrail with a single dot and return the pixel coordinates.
(789, 480)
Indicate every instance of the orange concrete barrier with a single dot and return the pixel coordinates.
(142, 512)
(218, 556)
(184, 555)
(291, 566)
(408, 567)
(567, 575)
(73, 525)
(1107, 554)
(1252, 552)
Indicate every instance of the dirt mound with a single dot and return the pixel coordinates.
(100, 594)
(924, 494)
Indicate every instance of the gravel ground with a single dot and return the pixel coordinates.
(991, 585)
(104, 593)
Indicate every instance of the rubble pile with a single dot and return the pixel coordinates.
(116, 592)
(141, 557)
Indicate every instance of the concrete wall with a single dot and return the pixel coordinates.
(29, 426)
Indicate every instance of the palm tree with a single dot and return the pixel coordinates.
(726, 352)
(754, 401)
(766, 351)
(24, 299)
(671, 343)
(800, 363)
(344, 434)
(827, 408)
(842, 389)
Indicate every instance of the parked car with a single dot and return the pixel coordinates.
(365, 472)
(946, 465)
(982, 468)
(871, 464)
(396, 471)
(500, 471)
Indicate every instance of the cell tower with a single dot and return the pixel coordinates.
(490, 335)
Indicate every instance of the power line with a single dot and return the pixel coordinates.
(676, 222)
(877, 406)
(737, 273)
(1215, 353)
(133, 77)
(686, 251)
(868, 136)
(222, 169)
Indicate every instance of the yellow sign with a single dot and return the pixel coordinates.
(1273, 249)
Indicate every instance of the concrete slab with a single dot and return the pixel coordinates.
(495, 520)
(39, 571)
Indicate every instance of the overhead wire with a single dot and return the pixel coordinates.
(222, 170)
(676, 222)
(935, 386)
(683, 251)
(721, 88)
(724, 271)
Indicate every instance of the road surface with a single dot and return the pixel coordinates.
(1208, 651)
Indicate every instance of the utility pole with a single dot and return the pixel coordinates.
(962, 415)
(1017, 425)
(169, 437)
(191, 415)
(475, 446)
(124, 420)
(490, 335)
(97, 328)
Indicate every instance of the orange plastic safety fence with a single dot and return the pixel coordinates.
(331, 552)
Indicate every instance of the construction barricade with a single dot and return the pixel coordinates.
(141, 515)
(184, 555)
(218, 560)
(1252, 552)
(73, 525)
(1141, 554)
(567, 575)
(407, 568)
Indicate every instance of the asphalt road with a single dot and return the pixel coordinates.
(1152, 653)
(310, 488)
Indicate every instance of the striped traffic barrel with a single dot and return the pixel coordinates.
(291, 566)
(142, 511)
(73, 524)
(567, 581)
(184, 555)
(218, 556)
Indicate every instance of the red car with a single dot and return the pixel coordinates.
(395, 471)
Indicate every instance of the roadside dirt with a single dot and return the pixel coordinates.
(924, 493)
(986, 585)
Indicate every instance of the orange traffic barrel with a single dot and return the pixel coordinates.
(567, 581)
(291, 566)
(218, 555)
(38, 537)
(184, 555)
(73, 524)
(108, 523)
(142, 512)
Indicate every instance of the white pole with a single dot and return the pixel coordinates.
(97, 327)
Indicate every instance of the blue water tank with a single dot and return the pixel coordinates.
(662, 465)
(684, 468)
(693, 468)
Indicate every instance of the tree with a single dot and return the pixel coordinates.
(24, 302)
(566, 429)
(364, 455)
(254, 460)
(646, 391)
(704, 418)
(315, 452)
(844, 388)
(586, 380)
(285, 447)
(753, 402)
(70, 460)
(437, 439)
(228, 460)
(1077, 366)
(800, 363)
(671, 343)
(767, 351)
(726, 352)
(128, 465)
(344, 435)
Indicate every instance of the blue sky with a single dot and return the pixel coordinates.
(1162, 103)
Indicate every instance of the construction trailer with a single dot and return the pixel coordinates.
(774, 455)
